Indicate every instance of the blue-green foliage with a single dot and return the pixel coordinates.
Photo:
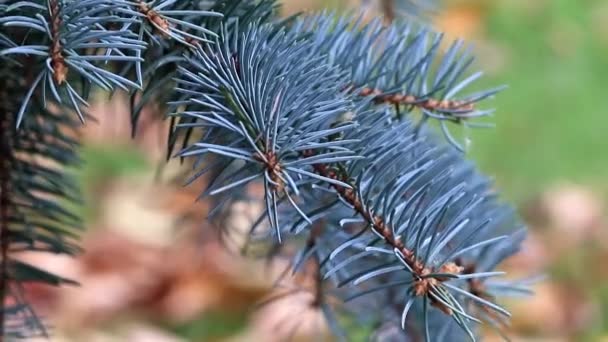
(33, 193)
(326, 111)
(259, 122)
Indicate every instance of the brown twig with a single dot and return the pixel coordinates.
(315, 232)
(60, 69)
(274, 168)
(157, 20)
(162, 25)
(423, 284)
(388, 8)
(477, 288)
(411, 100)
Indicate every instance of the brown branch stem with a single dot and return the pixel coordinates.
(430, 104)
(314, 234)
(388, 8)
(423, 284)
(60, 69)
(157, 20)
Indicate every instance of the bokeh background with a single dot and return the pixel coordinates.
(154, 270)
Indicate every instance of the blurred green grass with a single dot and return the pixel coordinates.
(212, 326)
(551, 123)
(103, 163)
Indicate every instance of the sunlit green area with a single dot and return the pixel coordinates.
(551, 122)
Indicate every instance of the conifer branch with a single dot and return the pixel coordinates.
(376, 222)
(406, 68)
(429, 104)
(423, 282)
(315, 108)
(154, 18)
(418, 200)
(32, 186)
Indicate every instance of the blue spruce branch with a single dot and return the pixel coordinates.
(421, 200)
(321, 110)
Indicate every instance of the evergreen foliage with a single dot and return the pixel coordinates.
(329, 112)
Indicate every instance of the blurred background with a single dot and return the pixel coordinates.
(153, 270)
